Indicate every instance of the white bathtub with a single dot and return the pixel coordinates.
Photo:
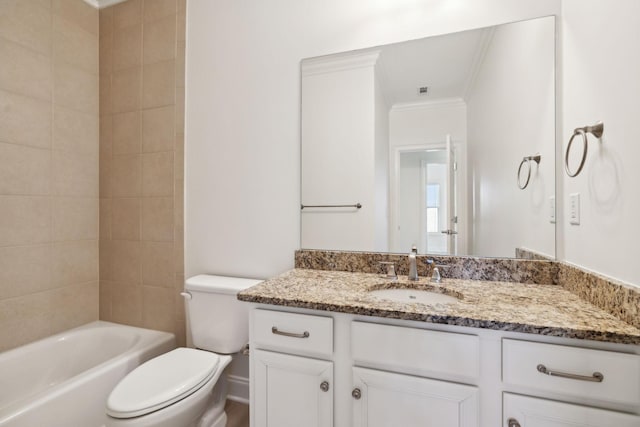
(64, 380)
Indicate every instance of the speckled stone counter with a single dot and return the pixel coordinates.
(507, 306)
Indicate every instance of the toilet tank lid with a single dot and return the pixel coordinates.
(219, 284)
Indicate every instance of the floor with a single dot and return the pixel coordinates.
(237, 414)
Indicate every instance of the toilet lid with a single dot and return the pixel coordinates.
(161, 381)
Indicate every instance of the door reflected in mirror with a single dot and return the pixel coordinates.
(427, 136)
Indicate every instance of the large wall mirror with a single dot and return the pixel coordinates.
(420, 143)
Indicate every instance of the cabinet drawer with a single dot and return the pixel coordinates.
(572, 371)
(415, 351)
(527, 411)
(293, 332)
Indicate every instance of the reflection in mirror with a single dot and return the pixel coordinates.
(427, 135)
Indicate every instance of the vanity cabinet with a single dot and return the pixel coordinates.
(385, 399)
(292, 391)
(524, 411)
(318, 369)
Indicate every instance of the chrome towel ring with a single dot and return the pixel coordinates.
(528, 161)
(596, 130)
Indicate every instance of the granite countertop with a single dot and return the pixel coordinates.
(506, 306)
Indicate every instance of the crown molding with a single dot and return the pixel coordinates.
(478, 60)
(330, 64)
(428, 105)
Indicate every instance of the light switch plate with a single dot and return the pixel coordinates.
(574, 208)
(552, 209)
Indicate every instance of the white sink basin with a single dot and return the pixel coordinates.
(406, 295)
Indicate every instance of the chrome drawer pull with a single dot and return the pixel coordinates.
(596, 377)
(275, 330)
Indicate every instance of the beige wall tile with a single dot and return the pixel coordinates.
(24, 220)
(126, 261)
(24, 170)
(105, 96)
(158, 84)
(157, 174)
(157, 219)
(158, 130)
(125, 214)
(127, 48)
(104, 219)
(24, 319)
(75, 218)
(179, 119)
(74, 262)
(104, 300)
(159, 40)
(179, 203)
(25, 120)
(106, 134)
(78, 13)
(126, 87)
(126, 303)
(105, 172)
(181, 29)
(106, 56)
(157, 264)
(127, 13)
(157, 308)
(126, 179)
(26, 73)
(75, 131)
(156, 9)
(105, 22)
(178, 257)
(180, 66)
(74, 306)
(178, 164)
(104, 258)
(180, 331)
(26, 23)
(127, 133)
(74, 45)
(75, 88)
(24, 270)
(75, 174)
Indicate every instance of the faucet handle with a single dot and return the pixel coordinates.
(391, 269)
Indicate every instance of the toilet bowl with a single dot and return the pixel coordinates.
(187, 387)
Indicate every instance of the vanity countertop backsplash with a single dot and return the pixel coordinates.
(530, 296)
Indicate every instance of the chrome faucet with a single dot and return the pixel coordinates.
(413, 266)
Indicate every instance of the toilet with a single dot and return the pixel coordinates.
(186, 387)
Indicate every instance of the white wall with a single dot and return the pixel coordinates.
(242, 180)
(518, 69)
(601, 81)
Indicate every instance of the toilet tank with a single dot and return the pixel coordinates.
(218, 321)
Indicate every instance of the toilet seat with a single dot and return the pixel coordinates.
(161, 382)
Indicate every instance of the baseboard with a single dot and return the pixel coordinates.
(238, 389)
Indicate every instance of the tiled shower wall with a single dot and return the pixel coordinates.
(142, 46)
(48, 168)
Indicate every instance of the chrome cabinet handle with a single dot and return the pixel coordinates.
(356, 393)
(324, 386)
(513, 422)
(596, 377)
(274, 330)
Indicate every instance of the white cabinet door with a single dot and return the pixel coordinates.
(523, 411)
(393, 400)
(292, 391)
